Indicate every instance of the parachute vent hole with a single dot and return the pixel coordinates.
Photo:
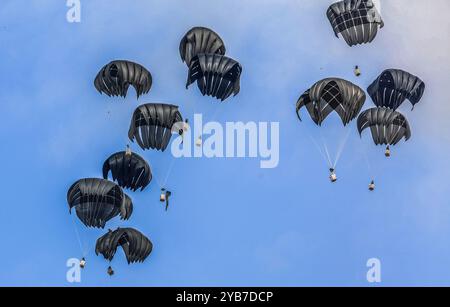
(332, 95)
(114, 71)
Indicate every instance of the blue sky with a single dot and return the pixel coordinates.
(231, 223)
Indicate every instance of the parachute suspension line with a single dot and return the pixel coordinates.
(369, 167)
(199, 138)
(162, 185)
(77, 233)
(319, 149)
(189, 110)
(172, 163)
(341, 148)
(155, 177)
(327, 152)
(330, 164)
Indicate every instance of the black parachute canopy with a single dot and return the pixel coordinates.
(394, 86)
(356, 20)
(200, 40)
(332, 94)
(115, 78)
(135, 245)
(216, 75)
(130, 170)
(96, 201)
(388, 127)
(152, 123)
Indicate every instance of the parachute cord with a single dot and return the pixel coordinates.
(188, 109)
(330, 164)
(156, 177)
(327, 152)
(325, 146)
(369, 167)
(218, 110)
(77, 233)
(162, 184)
(319, 149)
(341, 148)
(323, 152)
(172, 163)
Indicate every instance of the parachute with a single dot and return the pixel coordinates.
(130, 170)
(332, 94)
(96, 201)
(388, 127)
(200, 40)
(356, 20)
(216, 75)
(394, 86)
(115, 78)
(135, 245)
(152, 123)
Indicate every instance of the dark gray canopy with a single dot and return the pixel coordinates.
(152, 124)
(388, 127)
(356, 20)
(135, 245)
(115, 78)
(126, 210)
(332, 94)
(216, 75)
(200, 40)
(394, 86)
(97, 201)
(130, 170)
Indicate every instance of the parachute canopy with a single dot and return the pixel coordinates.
(388, 127)
(356, 20)
(135, 245)
(200, 40)
(115, 78)
(152, 125)
(332, 94)
(394, 86)
(96, 201)
(130, 170)
(216, 75)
